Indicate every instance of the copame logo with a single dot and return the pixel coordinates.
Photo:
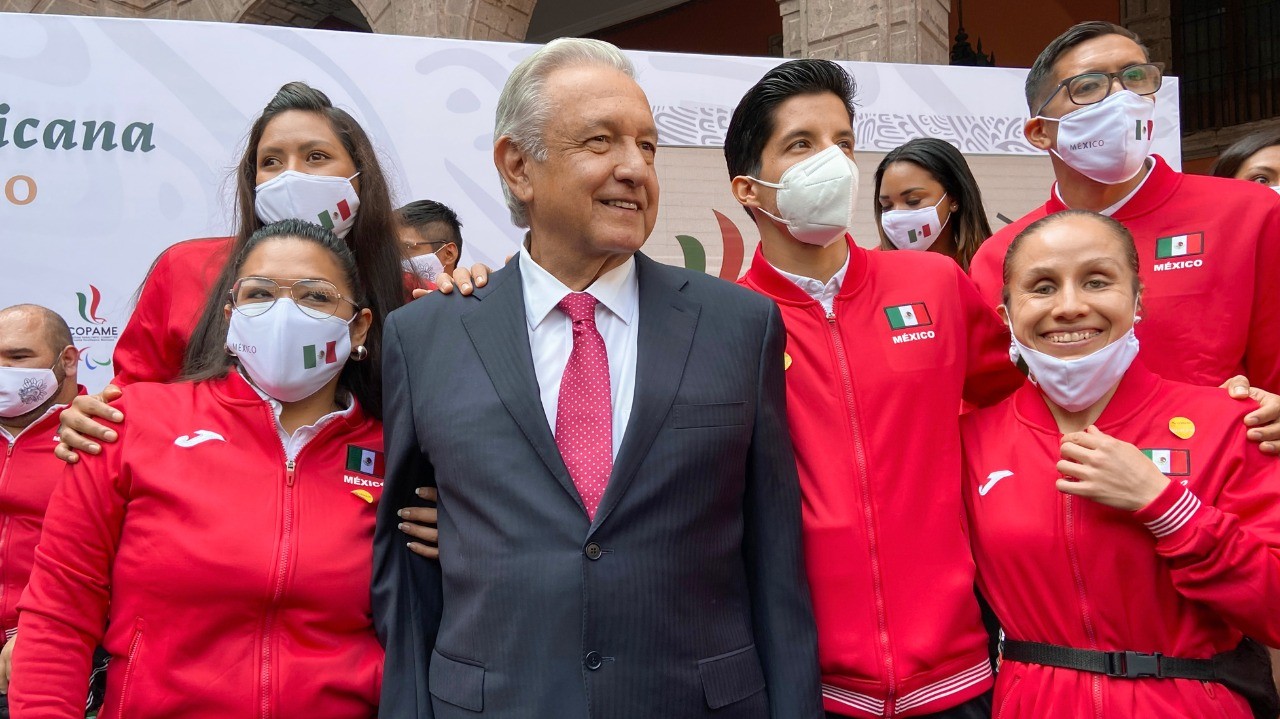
(96, 328)
(89, 306)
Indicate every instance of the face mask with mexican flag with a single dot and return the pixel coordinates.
(287, 353)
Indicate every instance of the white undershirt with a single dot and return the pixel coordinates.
(824, 294)
(1147, 167)
(551, 334)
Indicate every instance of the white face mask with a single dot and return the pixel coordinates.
(330, 202)
(23, 390)
(914, 229)
(1107, 141)
(424, 267)
(1075, 384)
(816, 196)
(289, 354)
(1276, 188)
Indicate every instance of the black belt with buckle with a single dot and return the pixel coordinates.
(1121, 665)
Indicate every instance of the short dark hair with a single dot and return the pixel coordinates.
(207, 357)
(753, 119)
(420, 213)
(1042, 69)
(1118, 231)
(942, 160)
(57, 335)
(1233, 158)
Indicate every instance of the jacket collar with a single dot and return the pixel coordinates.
(1155, 191)
(233, 389)
(762, 276)
(1134, 393)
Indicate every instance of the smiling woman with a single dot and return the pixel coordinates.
(1181, 515)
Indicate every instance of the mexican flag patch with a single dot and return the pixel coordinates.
(1180, 245)
(1172, 462)
(365, 461)
(903, 316)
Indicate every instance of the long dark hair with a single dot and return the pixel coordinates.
(941, 159)
(207, 357)
(1228, 164)
(372, 240)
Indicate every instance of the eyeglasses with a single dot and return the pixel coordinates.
(252, 296)
(1093, 87)
(415, 245)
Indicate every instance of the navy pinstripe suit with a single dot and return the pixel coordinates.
(685, 598)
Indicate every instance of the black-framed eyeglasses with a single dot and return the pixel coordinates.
(1093, 87)
(252, 296)
(415, 245)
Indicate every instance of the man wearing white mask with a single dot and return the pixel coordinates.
(37, 380)
(1207, 247)
(882, 348)
(432, 237)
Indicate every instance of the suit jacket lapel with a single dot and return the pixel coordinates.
(667, 322)
(500, 335)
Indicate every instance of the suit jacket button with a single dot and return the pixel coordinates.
(593, 551)
(594, 661)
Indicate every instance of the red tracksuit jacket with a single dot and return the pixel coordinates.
(1183, 576)
(29, 470)
(1209, 251)
(152, 345)
(873, 394)
(231, 583)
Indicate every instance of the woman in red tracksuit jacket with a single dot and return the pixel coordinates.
(299, 132)
(1120, 522)
(223, 541)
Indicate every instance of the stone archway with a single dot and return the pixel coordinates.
(327, 14)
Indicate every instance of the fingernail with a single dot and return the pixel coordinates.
(111, 436)
(402, 513)
(117, 417)
(466, 287)
(420, 492)
(94, 448)
(400, 526)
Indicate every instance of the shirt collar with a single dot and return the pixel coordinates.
(1148, 169)
(815, 289)
(343, 399)
(618, 290)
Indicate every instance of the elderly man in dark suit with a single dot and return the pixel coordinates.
(618, 504)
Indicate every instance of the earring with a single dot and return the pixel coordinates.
(360, 354)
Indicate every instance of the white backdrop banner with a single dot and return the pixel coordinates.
(117, 137)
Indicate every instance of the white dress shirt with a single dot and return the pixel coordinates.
(824, 294)
(551, 334)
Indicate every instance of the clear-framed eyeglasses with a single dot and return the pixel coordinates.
(252, 296)
(1093, 87)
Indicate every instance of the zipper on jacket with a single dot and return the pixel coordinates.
(4, 524)
(129, 666)
(864, 481)
(1078, 575)
(282, 567)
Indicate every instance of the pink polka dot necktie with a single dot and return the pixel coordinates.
(584, 413)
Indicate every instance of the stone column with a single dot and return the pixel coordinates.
(884, 31)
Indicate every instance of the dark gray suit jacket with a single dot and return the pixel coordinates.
(685, 598)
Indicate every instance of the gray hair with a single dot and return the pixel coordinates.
(523, 109)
